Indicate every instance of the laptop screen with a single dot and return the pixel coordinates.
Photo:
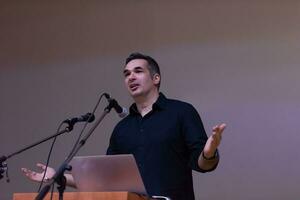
(107, 173)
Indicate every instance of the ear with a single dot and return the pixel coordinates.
(156, 79)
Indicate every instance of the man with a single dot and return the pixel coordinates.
(166, 137)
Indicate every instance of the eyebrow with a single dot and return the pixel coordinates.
(135, 68)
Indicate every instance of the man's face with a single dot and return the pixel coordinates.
(138, 79)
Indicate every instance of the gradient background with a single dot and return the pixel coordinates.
(236, 61)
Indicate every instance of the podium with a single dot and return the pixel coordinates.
(84, 196)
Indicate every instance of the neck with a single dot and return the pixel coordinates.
(144, 103)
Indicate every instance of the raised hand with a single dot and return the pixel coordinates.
(214, 140)
(38, 176)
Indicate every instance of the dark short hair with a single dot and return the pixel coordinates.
(153, 67)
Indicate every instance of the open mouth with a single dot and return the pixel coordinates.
(133, 87)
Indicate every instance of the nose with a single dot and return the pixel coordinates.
(131, 77)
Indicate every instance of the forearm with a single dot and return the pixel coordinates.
(70, 180)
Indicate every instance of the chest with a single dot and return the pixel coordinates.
(158, 130)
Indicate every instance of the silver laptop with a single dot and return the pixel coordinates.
(107, 173)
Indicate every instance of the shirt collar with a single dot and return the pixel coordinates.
(158, 105)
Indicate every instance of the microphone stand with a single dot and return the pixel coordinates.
(59, 177)
(3, 165)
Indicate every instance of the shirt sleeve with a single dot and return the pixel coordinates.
(194, 135)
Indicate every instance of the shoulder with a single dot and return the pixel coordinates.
(184, 111)
(180, 106)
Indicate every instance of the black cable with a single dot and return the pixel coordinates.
(76, 143)
(85, 124)
(48, 158)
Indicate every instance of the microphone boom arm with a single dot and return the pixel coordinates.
(4, 158)
(65, 165)
(3, 165)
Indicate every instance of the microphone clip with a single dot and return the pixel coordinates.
(111, 104)
(3, 168)
(88, 118)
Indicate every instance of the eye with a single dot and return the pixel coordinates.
(126, 74)
(138, 71)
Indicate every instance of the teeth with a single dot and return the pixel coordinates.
(133, 86)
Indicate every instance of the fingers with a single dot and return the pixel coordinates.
(26, 171)
(30, 174)
(217, 132)
(219, 128)
(34, 176)
(222, 126)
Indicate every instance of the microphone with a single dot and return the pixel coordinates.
(122, 112)
(88, 117)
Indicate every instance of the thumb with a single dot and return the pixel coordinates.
(42, 166)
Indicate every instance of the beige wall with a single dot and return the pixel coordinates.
(235, 61)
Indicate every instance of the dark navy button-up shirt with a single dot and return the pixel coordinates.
(166, 144)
